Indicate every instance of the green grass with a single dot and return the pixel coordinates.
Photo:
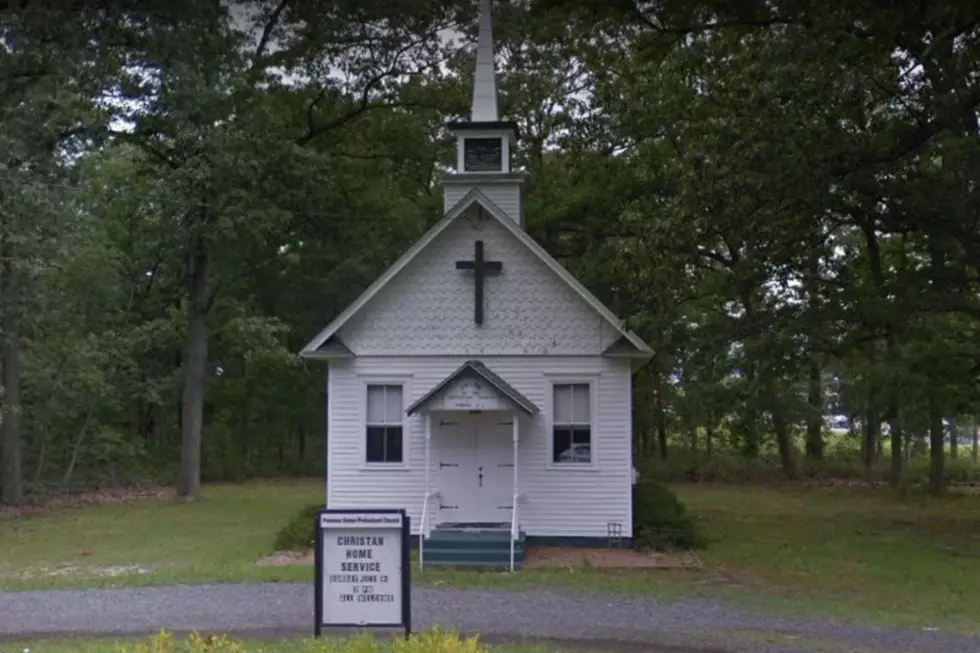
(853, 553)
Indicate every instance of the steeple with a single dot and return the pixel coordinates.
(484, 80)
(484, 144)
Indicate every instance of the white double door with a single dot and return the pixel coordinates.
(473, 466)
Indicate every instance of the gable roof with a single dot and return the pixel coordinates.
(312, 348)
(477, 368)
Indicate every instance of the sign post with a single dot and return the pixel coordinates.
(363, 577)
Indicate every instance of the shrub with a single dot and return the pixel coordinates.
(297, 534)
(434, 641)
(661, 521)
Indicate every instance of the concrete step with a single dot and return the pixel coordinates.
(473, 557)
(446, 535)
(441, 544)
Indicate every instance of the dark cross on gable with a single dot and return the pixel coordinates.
(480, 268)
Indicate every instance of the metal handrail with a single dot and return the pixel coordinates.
(513, 526)
(423, 523)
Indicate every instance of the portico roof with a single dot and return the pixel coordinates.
(475, 368)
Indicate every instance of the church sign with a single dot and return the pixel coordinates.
(362, 574)
(471, 394)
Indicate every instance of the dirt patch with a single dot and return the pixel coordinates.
(279, 558)
(556, 556)
(611, 558)
(80, 571)
(83, 499)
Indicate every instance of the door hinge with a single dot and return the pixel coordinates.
(443, 422)
(505, 423)
(505, 507)
(445, 507)
(442, 464)
(505, 464)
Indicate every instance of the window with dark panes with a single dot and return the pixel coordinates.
(384, 424)
(572, 423)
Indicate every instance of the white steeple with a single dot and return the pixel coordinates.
(484, 80)
(485, 144)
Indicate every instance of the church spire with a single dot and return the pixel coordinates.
(484, 82)
(485, 144)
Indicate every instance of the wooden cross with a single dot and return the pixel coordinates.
(480, 268)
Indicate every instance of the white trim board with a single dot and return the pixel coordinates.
(473, 196)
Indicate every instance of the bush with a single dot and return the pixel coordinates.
(661, 521)
(434, 641)
(297, 534)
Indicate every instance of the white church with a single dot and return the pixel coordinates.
(476, 383)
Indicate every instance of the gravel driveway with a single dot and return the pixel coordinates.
(607, 621)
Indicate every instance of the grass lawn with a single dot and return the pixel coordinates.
(835, 552)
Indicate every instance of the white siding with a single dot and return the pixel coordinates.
(427, 309)
(561, 501)
(508, 196)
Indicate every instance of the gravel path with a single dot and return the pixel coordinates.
(608, 621)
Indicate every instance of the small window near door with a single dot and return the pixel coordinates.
(572, 423)
(384, 424)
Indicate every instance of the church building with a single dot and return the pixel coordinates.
(476, 383)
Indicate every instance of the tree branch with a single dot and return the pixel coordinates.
(267, 31)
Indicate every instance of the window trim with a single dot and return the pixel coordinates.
(591, 380)
(369, 380)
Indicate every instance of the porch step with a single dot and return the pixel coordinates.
(473, 545)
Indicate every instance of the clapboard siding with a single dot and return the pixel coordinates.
(561, 501)
(427, 309)
(507, 196)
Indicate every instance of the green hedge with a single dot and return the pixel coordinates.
(297, 534)
(661, 521)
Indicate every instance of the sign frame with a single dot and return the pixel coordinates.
(319, 567)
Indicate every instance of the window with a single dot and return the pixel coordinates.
(572, 423)
(384, 424)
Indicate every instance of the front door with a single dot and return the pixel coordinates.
(472, 466)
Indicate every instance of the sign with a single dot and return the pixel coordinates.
(471, 394)
(362, 569)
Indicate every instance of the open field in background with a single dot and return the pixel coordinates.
(848, 551)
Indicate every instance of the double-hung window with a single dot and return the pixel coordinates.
(572, 423)
(384, 424)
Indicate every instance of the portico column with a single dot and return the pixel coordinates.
(515, 511)
(428, 459)
(515, 434)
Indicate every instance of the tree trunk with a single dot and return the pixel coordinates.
(661, 422)
(895, 424)
(975, 454)
(12, 486)
(937, 442)
(814, 423)
(784, 439)
(709, 440)
(195, 371)
(872, 430)
(954, 434)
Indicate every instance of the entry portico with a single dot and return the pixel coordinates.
(472, 434)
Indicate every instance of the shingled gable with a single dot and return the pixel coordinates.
(630, 345)
(479, 370)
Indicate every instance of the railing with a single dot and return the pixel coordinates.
(514, 526)
(424, 524)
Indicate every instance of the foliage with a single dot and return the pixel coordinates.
(297, 534)
(780, 199)
(661, 521)
(432, 641)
